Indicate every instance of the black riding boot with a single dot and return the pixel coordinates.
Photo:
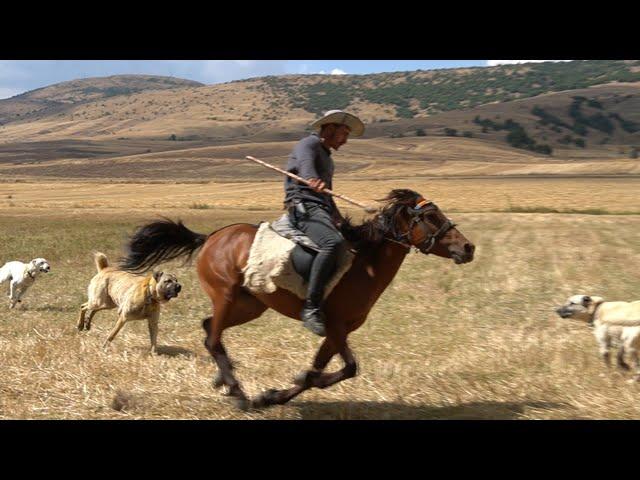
(313, 318)
(321, 270)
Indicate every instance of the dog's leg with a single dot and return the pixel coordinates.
(633, 353)
(153, 331)
(620, 359)
(83, 311)
(116, 328)
(604, 342)
(606, 358)
(90, 313)
(13, 294)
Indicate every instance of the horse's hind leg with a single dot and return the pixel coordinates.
(229, 310)
(213, 343)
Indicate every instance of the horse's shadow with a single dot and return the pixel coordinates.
(403, 411)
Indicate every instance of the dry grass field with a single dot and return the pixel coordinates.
(477, 341)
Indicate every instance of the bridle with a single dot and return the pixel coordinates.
(417, 214)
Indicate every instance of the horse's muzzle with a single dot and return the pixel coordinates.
(464, 256)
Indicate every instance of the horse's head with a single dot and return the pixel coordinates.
(418, 222)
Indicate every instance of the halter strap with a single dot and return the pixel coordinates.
(430, 240)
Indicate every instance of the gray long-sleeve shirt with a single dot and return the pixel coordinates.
(309, 159)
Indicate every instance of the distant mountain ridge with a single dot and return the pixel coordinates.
(538, 98)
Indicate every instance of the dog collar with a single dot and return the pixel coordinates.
(593, 317)
(149, 297)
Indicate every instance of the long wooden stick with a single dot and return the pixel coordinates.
(367, 208)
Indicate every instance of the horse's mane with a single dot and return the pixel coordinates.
(371, 232)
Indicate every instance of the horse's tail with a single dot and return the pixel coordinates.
(159, 242)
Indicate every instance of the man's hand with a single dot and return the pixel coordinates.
(316, 184)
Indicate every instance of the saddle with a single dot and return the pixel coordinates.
(281, 255)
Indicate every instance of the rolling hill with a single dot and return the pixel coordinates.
(532, 113)
(55, 99)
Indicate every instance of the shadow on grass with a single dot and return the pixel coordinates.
(55, 308)
(403, 411)
(167, 350)
(172, 351)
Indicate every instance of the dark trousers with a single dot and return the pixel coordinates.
(318, 226)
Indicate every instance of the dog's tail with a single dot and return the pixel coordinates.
(5, 273)
(101, 261)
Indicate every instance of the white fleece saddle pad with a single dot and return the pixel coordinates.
(269, 265)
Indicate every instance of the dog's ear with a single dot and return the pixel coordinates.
(586, 300)
(157, 276)
(593, 304)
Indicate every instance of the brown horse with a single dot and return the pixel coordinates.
(406, 220)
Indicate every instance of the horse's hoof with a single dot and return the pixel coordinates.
(218, 381)
(266, 398)
(624, 366)
(241, 403)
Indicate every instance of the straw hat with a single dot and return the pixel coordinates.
(341, 118)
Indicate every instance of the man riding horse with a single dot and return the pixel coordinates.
(314, 212)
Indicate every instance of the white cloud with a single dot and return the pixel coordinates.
(493, 63)
(335, 71)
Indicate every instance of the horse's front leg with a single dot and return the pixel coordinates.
(303, 381)
(315, 377)
(349, 370)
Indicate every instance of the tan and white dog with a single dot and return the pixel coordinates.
(613, 322)
(21, 276)
(136, 297)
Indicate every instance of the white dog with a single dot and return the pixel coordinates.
(613, 322)
(21, 277)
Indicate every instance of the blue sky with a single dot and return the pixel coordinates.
(19, 76)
